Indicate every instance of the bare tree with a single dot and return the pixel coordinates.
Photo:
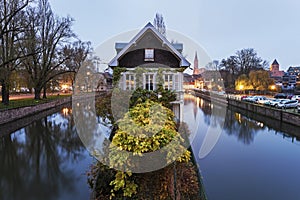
(159, 24)
(11, 15)
(46, 37)
(75, 54)
(244, 61)
(213, 65)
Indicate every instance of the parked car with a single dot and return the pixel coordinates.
(280, 96)
(258, 99)
(254, 99)
(268, 101)
(296, 97)
(289, 96)
(243, 97)
(288, 104)
(264, 101)
(248, 98)
(274, 102)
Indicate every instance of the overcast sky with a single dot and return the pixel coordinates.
(271, 27)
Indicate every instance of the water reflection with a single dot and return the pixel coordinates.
(241, 127)
(36, 161)
(92, 129)
(213, 116)
(255, 157)
(242, 124)
(252, 123)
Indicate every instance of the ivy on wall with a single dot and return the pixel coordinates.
(139, 71)
(117, 74)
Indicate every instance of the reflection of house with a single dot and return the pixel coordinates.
(150, 60)
(105, 81)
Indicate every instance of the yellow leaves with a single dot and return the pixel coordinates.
(185, 157)
(148, 127)
(121, 182)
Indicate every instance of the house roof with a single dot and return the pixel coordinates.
(107, 75)
(292, 69)
(121, 45)
(275, 62)
(175, 48)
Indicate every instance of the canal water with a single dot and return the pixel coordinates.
(44, 160)
(241, 155)
(245, 156)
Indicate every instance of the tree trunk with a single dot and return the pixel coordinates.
(37, 93)
(45, 92)
(5, 93)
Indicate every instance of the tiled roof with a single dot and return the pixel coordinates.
(173, 47)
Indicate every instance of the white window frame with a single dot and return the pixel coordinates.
(167, 78)
(149, 82)
(129, 77)
(149, 54)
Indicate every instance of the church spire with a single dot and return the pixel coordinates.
(196, 67)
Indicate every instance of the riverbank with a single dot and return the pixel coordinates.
(11, 115)
(280, 115)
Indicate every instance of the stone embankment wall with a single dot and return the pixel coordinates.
(279, 114)
(18, 113)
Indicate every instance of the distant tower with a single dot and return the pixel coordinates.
(196, 67)
(275, 66)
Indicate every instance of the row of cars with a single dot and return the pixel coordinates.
(293, 102)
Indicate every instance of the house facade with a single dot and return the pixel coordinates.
(148, 61)
(105, 81)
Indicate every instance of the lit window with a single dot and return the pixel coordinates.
(130, 82)
(149, 54)
(168, 82)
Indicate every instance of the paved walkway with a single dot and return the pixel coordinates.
(30, 96)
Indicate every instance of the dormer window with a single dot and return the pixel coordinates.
(149, 54)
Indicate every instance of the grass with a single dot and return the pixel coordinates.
(29, 102)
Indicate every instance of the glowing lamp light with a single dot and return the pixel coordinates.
(65, 111)
(241, 87)
(273, 87)
(64, 86)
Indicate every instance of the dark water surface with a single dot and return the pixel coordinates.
(44, 160)
(254, 157)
